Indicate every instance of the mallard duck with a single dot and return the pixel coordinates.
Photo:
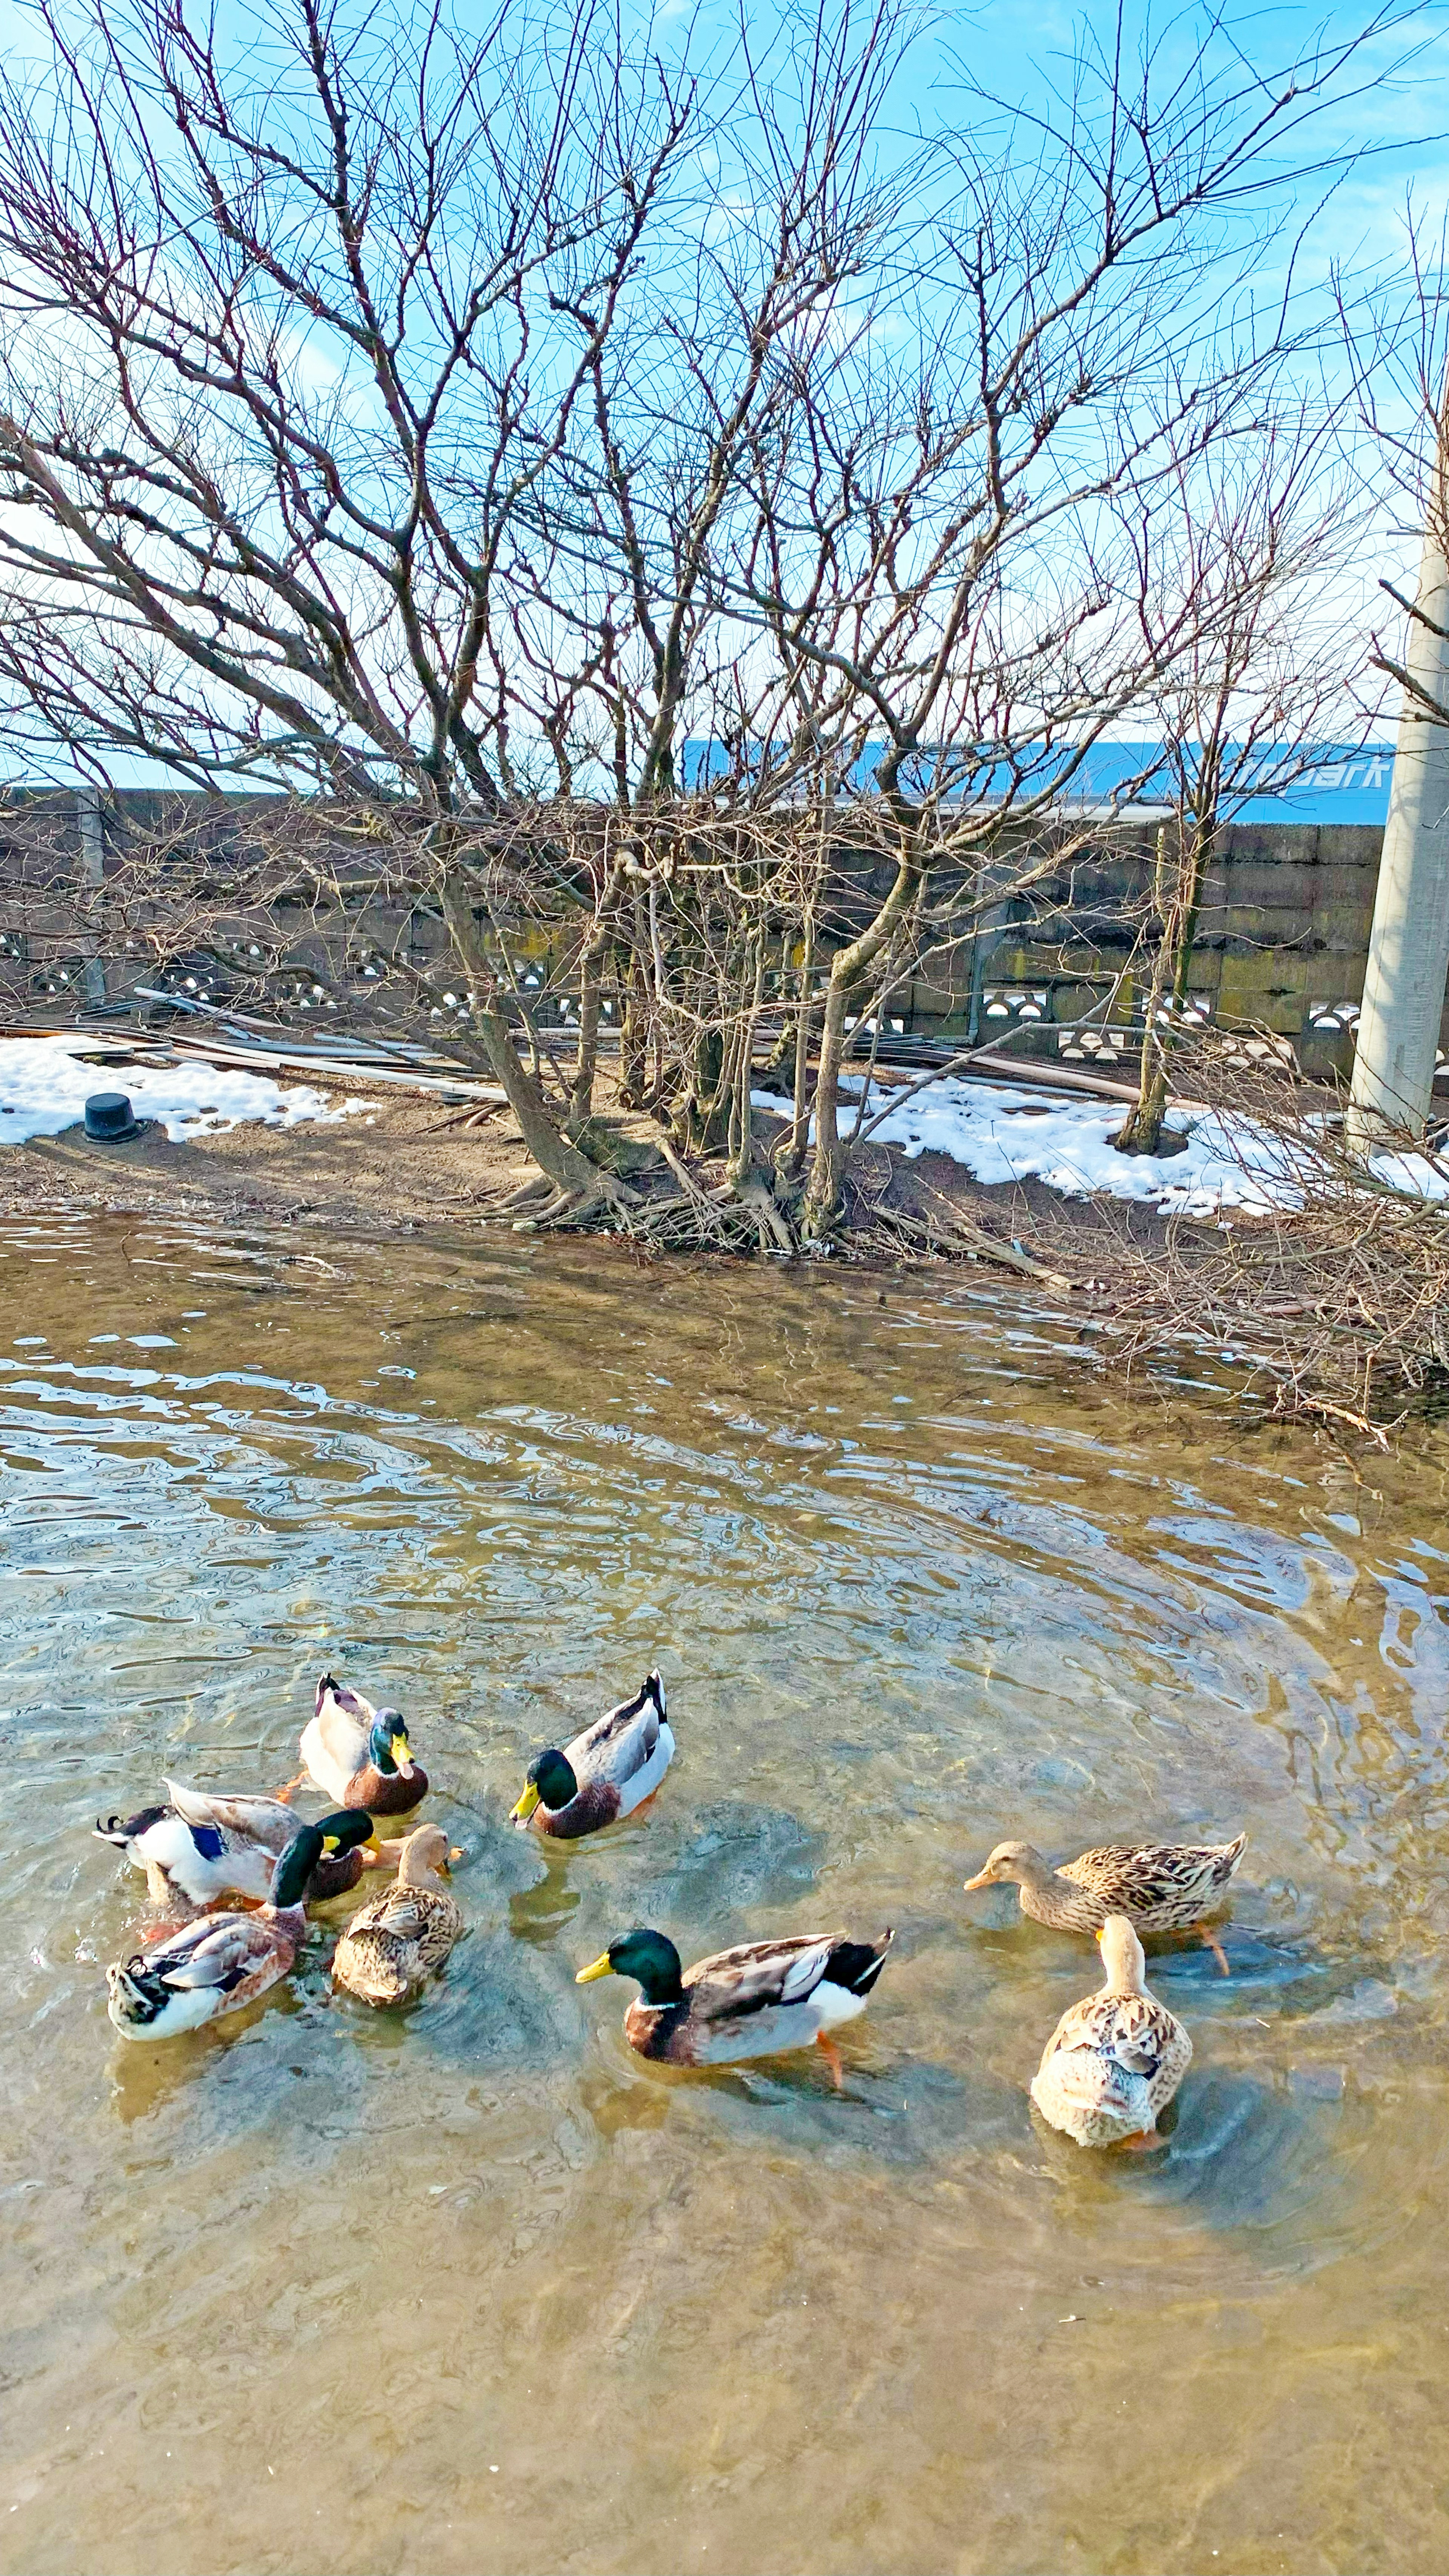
(605, 1773)
(199, 1848)
(219, 1962)
(1114, 2061)
(392, 1947)
(755, 2001)
(1161, 1887)
(359, 1754)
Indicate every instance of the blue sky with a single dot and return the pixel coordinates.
(1390, 136)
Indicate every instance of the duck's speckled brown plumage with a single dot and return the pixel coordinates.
(391, 1948)
(1115, 2060)
(1160, 1887)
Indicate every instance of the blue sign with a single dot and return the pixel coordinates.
(1313, 783)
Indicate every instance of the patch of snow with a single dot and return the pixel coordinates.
(1005, 1132)
(1412, 1174)
(44, 1089)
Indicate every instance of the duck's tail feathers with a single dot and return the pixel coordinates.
(1233, 1852)
(857, 1964)
(654, 1689)
(124, 1830)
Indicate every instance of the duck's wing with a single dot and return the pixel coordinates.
(219, 1950)
(401, 1911)
(1133, 2033)
(758, 1976)
(1128, 1877)
(251, 1820)
(621, 1743)
(1119, 1873)
(336, 1739)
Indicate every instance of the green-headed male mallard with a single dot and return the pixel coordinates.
(1160, 1887)
(1115, 2060)
(200, 1848)
(605, 1773)
(359, 1754)
(391, 1948)
(223, 1960)
(754, 2001)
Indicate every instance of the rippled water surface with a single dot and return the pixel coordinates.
(470, 2288)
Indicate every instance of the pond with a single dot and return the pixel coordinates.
(471, 2287)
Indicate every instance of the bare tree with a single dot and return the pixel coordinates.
(942, 548)
(1260, 538)
(449, 432)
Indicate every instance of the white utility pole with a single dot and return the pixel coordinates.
(1408, 960)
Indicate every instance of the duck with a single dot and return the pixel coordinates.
(759, 2000)
(358, 1754)
(1161, 1887)
(225, 1958)
(605, 1773)
(198, 1848)
(391, 1948)
(1115, 2060)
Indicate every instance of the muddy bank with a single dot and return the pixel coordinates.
(401, 1165)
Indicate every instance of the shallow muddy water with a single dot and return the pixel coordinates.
(470, 2288)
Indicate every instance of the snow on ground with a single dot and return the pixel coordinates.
(1002, 1132)
(44, 1088)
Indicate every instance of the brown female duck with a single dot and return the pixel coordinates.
(1160, 1887)
(391, 1948)
(1115, 2060)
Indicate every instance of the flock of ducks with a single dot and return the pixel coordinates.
(1110, 2068)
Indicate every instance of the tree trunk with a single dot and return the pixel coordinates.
(849, 970)
(790, 1157)
(634, 1031)
(570, 1171)
(741, 1119)
(1141, 1131)
(591, 993)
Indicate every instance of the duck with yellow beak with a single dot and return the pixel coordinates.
(759, 2000)
(609, 1771)
(359, 1754)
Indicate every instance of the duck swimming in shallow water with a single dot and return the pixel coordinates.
(1160, 1887)
(605, 1773)
(360, 1755)
(224, 1960)
(199, 1848)
(758, 2000)
(391, 1948)
(1115, 2060)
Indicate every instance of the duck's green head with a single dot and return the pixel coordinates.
(336, 1833)
(388, 1744)
(552, 1783)
(647, 1957)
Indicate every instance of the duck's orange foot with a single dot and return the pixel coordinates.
(1142, 2144)
(832, 2057)
(1211, 1942)
(288, 1793)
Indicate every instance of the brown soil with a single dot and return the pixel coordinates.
(1343, 1318)
(398, 1168)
